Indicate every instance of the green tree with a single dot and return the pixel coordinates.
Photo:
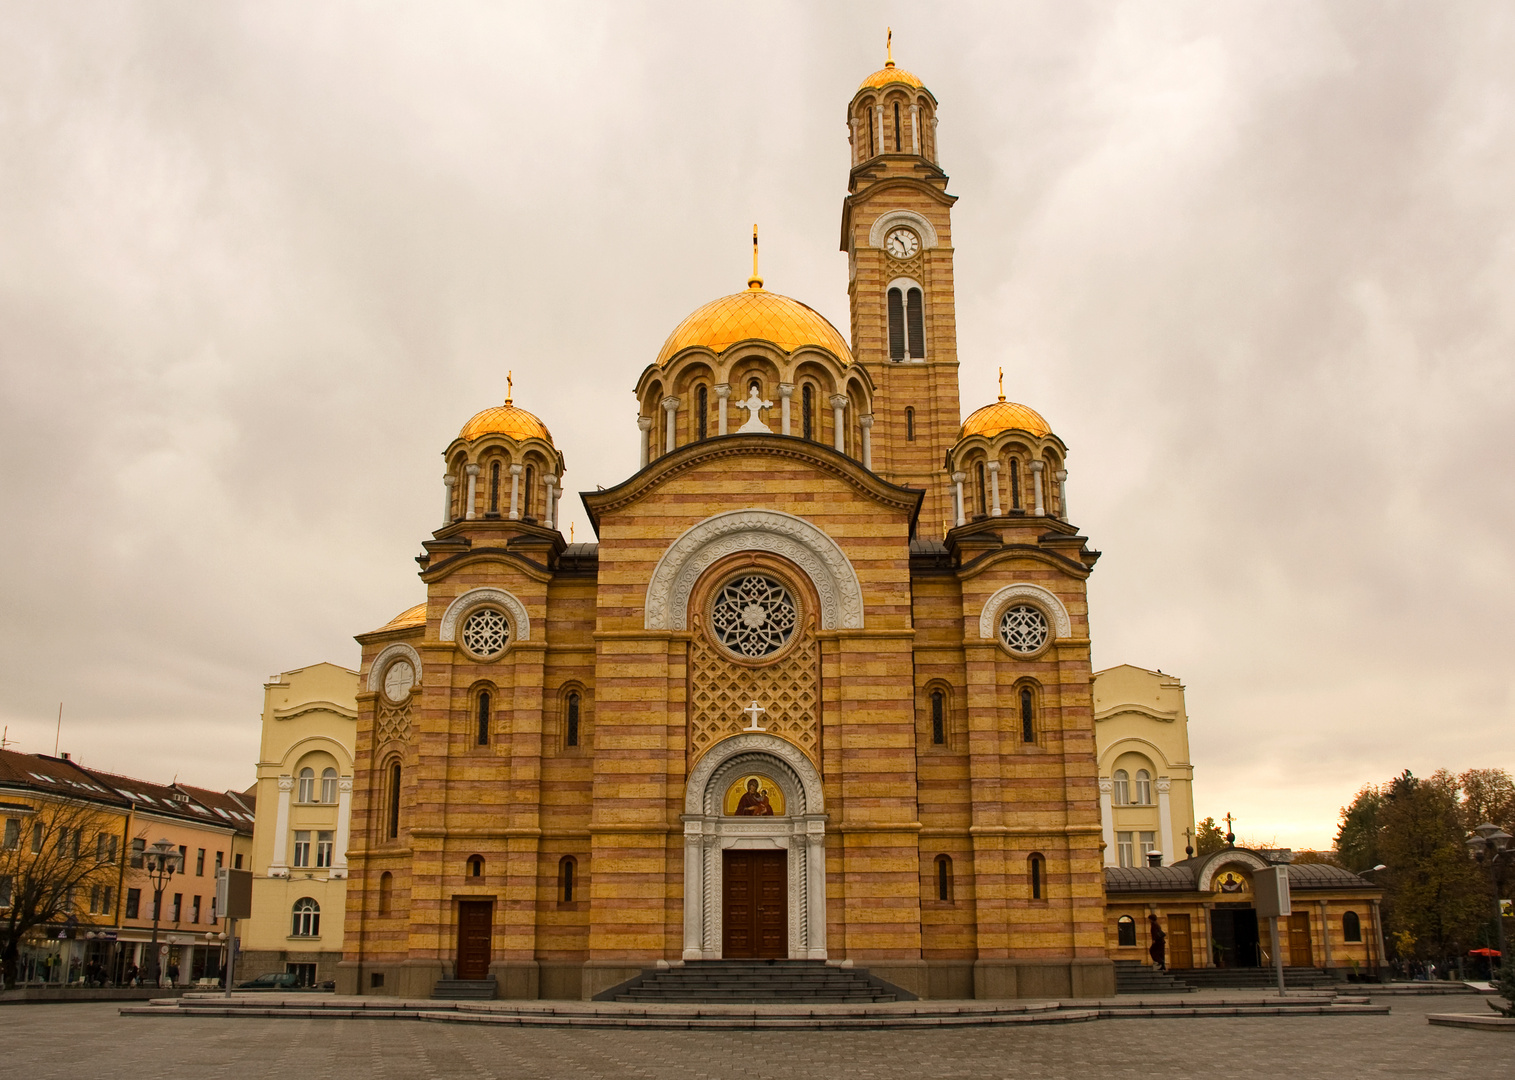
(1487, 795)
(1357, 838)
(1209, 837)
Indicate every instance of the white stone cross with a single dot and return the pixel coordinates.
(753, 426)
(753, 711)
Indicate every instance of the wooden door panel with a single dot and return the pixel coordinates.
(754, 910)
(475, 931)
(1299, 940)
(1180, 942)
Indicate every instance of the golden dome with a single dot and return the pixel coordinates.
(506, 420)
(890, 74)
(755, 313)
(409, 617)
(1004, 416)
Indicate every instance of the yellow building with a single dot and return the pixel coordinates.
(299, 848)
(820, 691)
(1141, 738)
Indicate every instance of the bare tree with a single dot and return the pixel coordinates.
(51, 860)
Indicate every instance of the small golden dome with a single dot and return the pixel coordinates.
(506, 420)
(756, 313)
(890, 74)
(1001, 416)
(415, 616)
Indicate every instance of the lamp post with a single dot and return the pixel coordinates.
(161, 861)
(1490, 845)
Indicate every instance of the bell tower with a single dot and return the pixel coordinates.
(897, 233)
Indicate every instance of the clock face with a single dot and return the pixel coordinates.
(902, 243)
(399, 680)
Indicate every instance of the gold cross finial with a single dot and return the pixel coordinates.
(509, 387)
(1002, 384)
(889, 47)
(570, 532)
(754, 282)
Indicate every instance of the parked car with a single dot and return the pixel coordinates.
(274, 980)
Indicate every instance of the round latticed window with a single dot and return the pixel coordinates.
(753, 616)
(1023, 629)
(486, 632)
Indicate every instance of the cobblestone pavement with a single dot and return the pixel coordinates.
(92, 1040)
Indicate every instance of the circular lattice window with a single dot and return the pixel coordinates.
(1023, 629)
(754, 616)
(486, 632)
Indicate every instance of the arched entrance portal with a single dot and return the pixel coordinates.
(754, 852)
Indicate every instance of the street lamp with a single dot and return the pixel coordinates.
(1490, 845)
(162, 861)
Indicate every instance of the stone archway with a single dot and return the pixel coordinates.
(800, 831)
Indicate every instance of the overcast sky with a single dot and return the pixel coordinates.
(1253, 261)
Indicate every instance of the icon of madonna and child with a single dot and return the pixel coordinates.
(754, 796)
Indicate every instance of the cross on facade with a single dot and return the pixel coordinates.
(753, 711)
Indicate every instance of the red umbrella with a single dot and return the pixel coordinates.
(1483, 952)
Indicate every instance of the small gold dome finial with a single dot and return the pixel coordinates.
(754, 282)
(510, 388)
(889, 47)
(1002, 384)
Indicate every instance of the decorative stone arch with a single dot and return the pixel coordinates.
(1062, 625)
(387, 656)
(1228, 857)
(884, 222)
(520, 622)
(801, 832)
(1134, 744)
(793, 538)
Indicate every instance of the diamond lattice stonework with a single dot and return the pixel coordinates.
(486, 632)
(1023, 629)
(753, 616)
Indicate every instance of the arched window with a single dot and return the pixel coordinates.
(944, 878)
(481, 735)
(386, 892)
(701, 409)
(1036, 870)
(983, 491)
(571, 725)
(1351, 927)
(938, 718)
(475, 866)
(868, 123)
(494, 488)
(328, 785)
(807, 411)
(896, 324)
(567, 878)
(1125, 930)
(530, 483)
(392, 807)
(1028, 715)
(307, 918)
(915, 324)
(305, 790)
(1143, 787)
(1122, 794)
(1015, 484)
(909, 423)
(896, 127)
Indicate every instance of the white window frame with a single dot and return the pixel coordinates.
(1125, 849)
(324, 849)
(305, 791)
(1143, 788)
(302, 848)
(1121, 793)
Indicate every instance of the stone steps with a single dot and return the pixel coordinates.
(755, 982)
(463, 990)
(1134, 977)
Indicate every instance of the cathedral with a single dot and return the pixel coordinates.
(821, 689)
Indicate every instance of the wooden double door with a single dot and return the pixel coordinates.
(475, 931)
(755, 904)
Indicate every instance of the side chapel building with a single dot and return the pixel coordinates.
(821, 690)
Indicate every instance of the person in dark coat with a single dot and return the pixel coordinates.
(1159, 949)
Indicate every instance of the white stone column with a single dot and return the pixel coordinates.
(550, 482)
(1036, 479)
(645, 423)
(1062, 493)
(994, 488)
(815, 887)
(839, 418)
(915, 129)
(1107, 820)
(866, 423)
(671, 407)
(448, 483)
(1165, 819)
(344, 812)
(957, 492)
(786, 391)
(515, 489)
(936, 147)
(279, 865)
(473, 490)
(722, 395)
(694, 889)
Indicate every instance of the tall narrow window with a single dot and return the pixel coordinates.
(307, 918)
(807, 411)
(1036, 877)
(328, 790)
(494, 488)
(896, 127)
(1148, 844)
(938, 718)
(1124, 848)
(1351, 927)
(868, 122)
(983, 491)
(1125, 931)
(915, 324)
(481, 733)
(909, 424)
(302, 847)
(476, 866)
(305, 790)
(392, 826)
(571, 734)
(702, 406)
(1121, 796)
(530, 477)
(896, 325)
(386, 892)
(1028, 715)
(1015, 484)
(324, 845)
(1143, 787)
(566, 882)
(944, 878)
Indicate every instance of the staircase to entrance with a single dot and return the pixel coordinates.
(756, 982)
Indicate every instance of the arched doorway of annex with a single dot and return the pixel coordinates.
(754, 831)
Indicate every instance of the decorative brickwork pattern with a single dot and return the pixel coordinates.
(392, 723)
(721, 688)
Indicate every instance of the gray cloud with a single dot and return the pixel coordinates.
(258, 263)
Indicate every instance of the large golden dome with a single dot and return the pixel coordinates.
(414, 616)
(506, 420)
(890, 74)
(1004, 415)
(755, 313)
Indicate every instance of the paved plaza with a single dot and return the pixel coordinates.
(41, 1041)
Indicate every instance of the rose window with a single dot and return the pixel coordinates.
(1023, 629)
(486, 632)
(753, 616)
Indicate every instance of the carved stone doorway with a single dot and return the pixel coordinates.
(755, 917)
